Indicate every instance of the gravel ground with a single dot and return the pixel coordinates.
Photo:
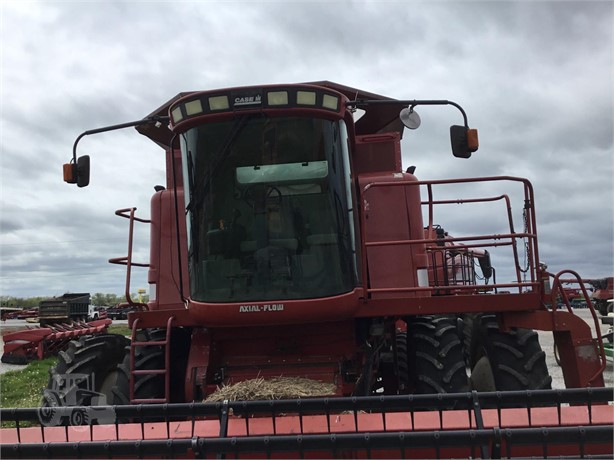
(547, 342)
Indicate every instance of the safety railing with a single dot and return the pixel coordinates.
(452, 259)
(129, 213)
(558, 292)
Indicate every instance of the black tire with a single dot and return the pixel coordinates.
(469, 320)
(94, 356)
(603, 307)
(435, 356)
(505, 361)
(402, 364)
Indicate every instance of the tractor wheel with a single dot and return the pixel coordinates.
(435, 356)
(151, 386)
(87, 364)
(469, 320)
(504, 361)
(603, 307)
(402, 365)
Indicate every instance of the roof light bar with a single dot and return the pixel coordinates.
(254, 98)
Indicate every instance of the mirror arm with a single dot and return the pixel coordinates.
(362, 103)
(144, 121)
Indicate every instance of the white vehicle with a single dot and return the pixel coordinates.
(93, 312)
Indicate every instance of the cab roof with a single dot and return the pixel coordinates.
(378, 118)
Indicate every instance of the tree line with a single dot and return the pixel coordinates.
(98, 298)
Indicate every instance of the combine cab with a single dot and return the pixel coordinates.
(288, 242)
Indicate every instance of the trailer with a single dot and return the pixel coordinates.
(64, 309)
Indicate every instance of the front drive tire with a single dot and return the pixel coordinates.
(435, 356)
(94, 357)
(504, 361)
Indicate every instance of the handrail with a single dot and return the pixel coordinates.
(465, 243)
(129, 213)
(558, 286)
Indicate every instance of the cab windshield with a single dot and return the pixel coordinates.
(267, 209)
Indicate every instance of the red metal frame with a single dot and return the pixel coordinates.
(134, 343)
(582, 356)
(41, 342)
(518, 301)
(129, 213)
(504, 421)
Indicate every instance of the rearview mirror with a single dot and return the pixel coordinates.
(78, 173)
(464, 141)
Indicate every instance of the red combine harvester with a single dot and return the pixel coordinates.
(602, 291)
(288, 242)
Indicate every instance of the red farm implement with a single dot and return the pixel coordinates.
(27, 345)
(545, 423)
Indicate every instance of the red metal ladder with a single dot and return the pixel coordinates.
(165, 371)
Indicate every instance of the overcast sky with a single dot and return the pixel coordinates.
(536, 79)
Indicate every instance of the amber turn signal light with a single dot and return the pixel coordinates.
(472, 140)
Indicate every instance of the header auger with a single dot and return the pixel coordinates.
(288, 242)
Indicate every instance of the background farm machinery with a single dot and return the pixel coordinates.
(287, 241)
(62, 319)
(602, 292)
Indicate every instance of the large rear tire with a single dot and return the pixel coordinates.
(504, 361)
(95, 357)
(434, 356)
(402, 364)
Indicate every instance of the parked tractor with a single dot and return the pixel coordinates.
(289, 241)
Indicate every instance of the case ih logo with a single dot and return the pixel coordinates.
(248, 100)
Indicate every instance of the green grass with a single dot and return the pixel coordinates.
(23, 388)
(121, 329)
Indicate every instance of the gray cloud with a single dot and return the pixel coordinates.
(534, 77)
